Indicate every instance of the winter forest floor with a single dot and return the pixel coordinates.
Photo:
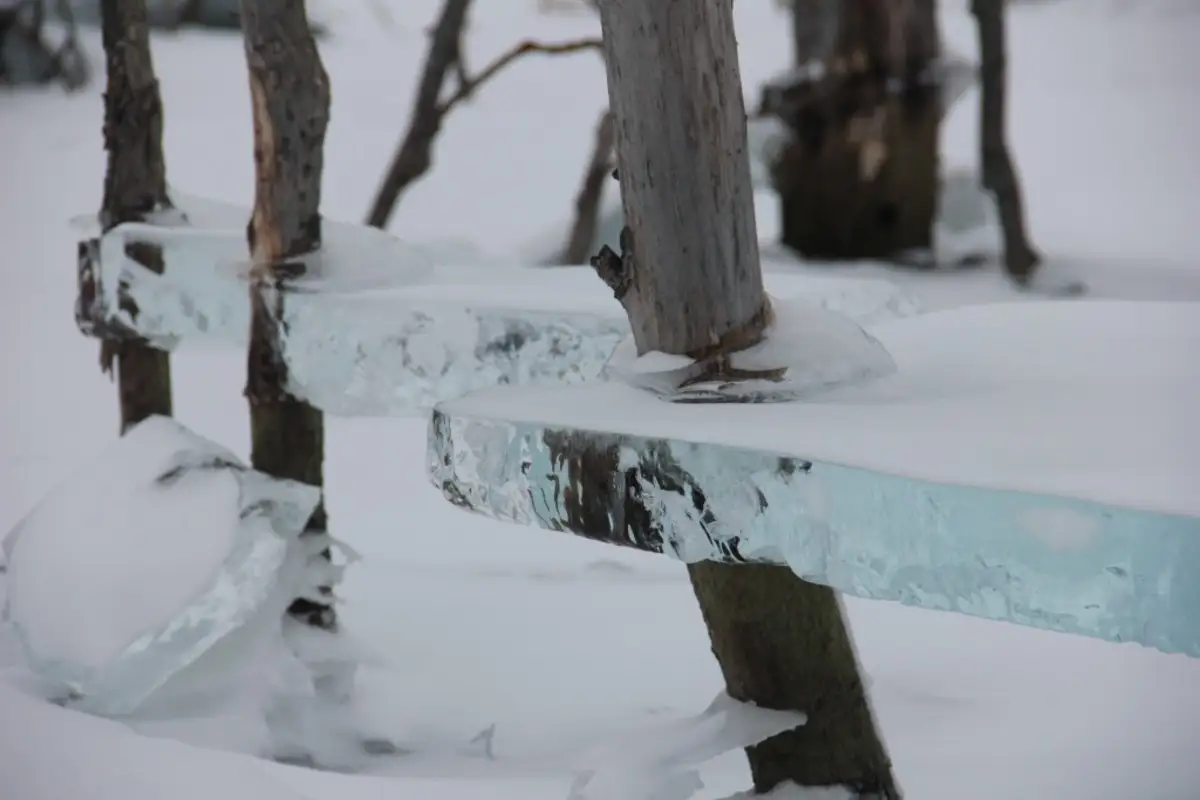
(561, 643)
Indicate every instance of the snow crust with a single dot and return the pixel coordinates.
(375, 328)
(1058, 492)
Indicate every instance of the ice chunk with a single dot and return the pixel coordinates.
(140, 562)
(659, 762)
(807, 349)
(373, 328)
(1028, 462)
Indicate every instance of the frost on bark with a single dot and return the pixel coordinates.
(289, 94)
(999, 174)
(135, 185)
(860, 179)
(690, 281)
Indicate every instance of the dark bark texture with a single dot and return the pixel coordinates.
(999, 175)
(690, 281)
(135, 185)
(861, 179)
(289, 93)
(783, 643)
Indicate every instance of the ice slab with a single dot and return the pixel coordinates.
(374, 326)
(140, 563)
(1029, 462)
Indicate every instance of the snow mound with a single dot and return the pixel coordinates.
(152, 585)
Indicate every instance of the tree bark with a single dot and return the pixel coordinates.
(861, 178)
(289, 94)
(690, 282)
(999, 175)
(135, 185)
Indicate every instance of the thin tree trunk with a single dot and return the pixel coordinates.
(414, 156)
(289, 93)
(999, 175)
(861, 178)
(135, 185)
(690, 281)
(591, 195)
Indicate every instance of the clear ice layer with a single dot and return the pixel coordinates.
(1027, 462)
(375, 327)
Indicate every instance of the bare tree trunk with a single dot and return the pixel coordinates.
(135, 185)
(999, 175)
(861, 178)
(690, 281)
(591, 194)
(289, 93)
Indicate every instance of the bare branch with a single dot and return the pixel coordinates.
(470, 84)
(999, 174)
(591, 192)
(414, 156)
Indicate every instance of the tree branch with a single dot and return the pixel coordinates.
(414, 156)
(468, 84)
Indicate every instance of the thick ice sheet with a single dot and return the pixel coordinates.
(1034, 463)
(375, 328)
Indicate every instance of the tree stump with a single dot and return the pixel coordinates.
(860, 179)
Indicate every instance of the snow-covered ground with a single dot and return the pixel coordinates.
(564, 645)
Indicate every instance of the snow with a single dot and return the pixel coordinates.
(561, 643)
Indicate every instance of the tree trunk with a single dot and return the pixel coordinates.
(135, 184)
(689, 280)
(861, 178)
(999, 175)
(289, 93)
